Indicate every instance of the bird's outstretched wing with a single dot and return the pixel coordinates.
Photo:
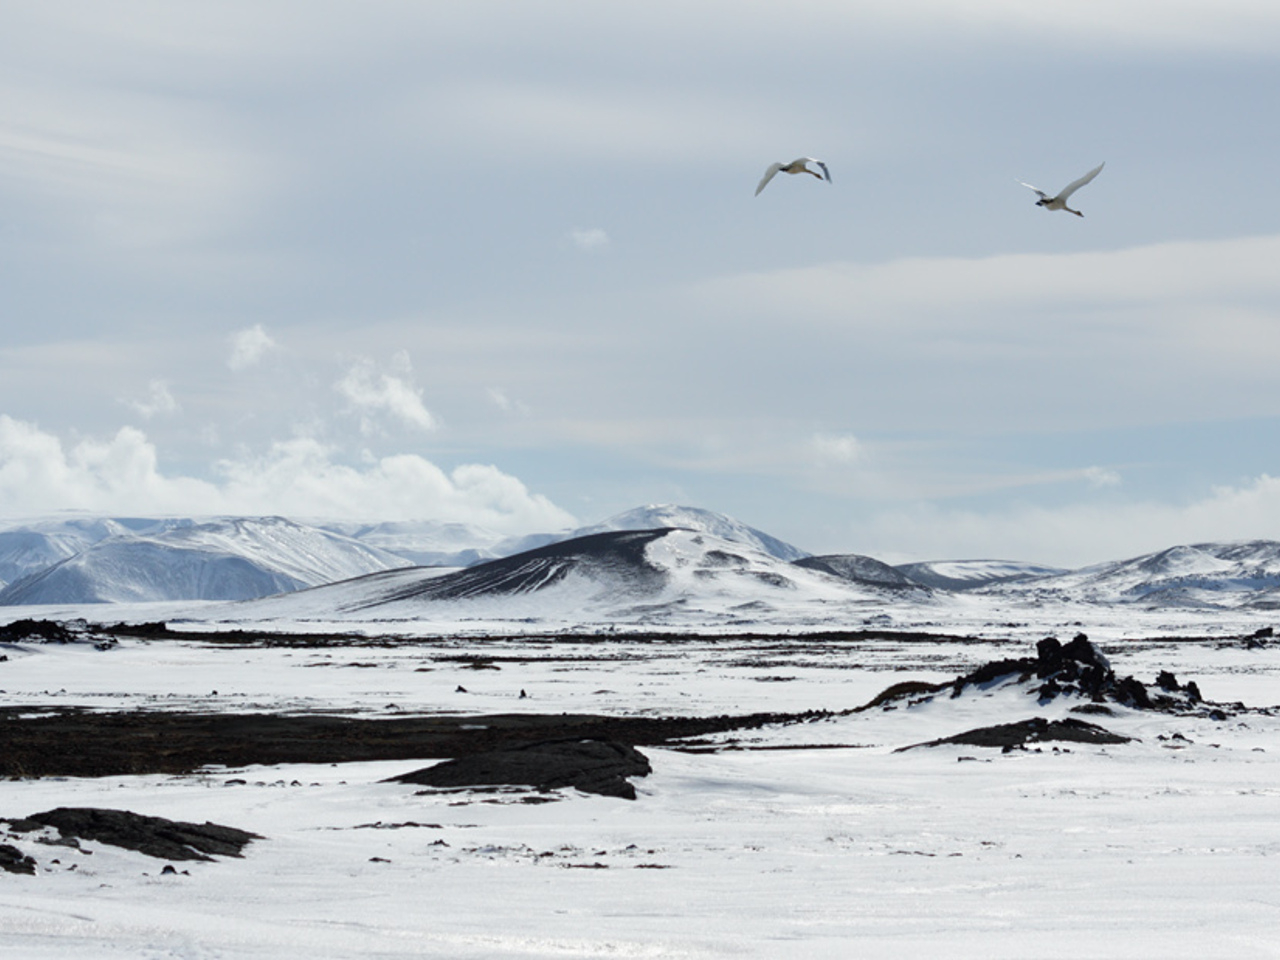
(1075, 185)
(768, 175)
(1043, 195)
(825, 172)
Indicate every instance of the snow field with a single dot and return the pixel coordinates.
(1158, 848)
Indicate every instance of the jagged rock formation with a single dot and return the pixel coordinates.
(1076, 669)
(1079, 668)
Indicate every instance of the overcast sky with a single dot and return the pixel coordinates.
(501, 262)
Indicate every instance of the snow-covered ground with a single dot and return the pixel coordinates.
(807, 840)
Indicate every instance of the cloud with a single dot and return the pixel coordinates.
(506, 404)
(249, 346)
(840, 449)
(159, 401)
(932, 291)
(1102, 477)
(589, 240)
(300, 478)
(369, 392)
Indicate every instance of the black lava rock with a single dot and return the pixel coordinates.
(592, 766)
(13, 860)
(154, 836)
(1033, 730)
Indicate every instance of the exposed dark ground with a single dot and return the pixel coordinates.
(74, 742)
(78, 743)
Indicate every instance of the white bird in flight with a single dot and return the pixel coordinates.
(1060, 201)
(795, 166)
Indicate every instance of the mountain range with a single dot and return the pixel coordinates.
(656, 558)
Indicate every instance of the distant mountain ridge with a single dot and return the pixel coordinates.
(112, 559)
(231, 559)
(1243, 573)
(972, 574)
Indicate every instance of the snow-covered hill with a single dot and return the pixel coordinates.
(860, 569)
(231, 559)
(971, 574)
(622, 576)
(1226, 574)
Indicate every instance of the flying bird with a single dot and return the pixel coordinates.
(795, 166)
(1060, 201)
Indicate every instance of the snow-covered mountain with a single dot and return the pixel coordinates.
(1225, 574)
(39, 544)
(427, 543)
(229, 559)
(658, 516)
(971, 574)
(619, 576)
(104, 560)
(91, 560)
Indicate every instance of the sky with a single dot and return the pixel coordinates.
(501, 263)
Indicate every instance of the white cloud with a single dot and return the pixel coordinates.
(1177, 24)
(126, 169)
(840, 449)
(932, 292)
(249, 347)
(159, 401)
(506, 404)
(393, 393)
(301, 477)
(590, 239)
(1102, 477)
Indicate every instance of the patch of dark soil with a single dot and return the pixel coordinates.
(156, 630)
(1034, 730)
(77, 743)
(154, 836)
(592, 766)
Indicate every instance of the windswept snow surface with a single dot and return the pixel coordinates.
(808, 840)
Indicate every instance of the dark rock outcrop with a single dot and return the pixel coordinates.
(44, 631)
(1080, 669)
(592, 766)
(13, 860)
(154, 836)
(1034, 730)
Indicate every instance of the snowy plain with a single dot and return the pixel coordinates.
(810, 839)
